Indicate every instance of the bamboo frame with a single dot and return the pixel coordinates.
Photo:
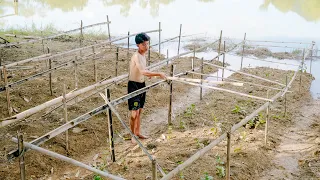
(159, 30)
(65, 115)
(179, 39)
(224, 58)
(7, 91)
(201, 80)
(242, 54)
(170, 96)
(219, 47)
(21, 157)
(108, 27)
(228, 172)
(68, 160)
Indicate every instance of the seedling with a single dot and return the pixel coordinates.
(237, 109)
(97, 177)
(220, 170)
(207, 177)
(189, 112)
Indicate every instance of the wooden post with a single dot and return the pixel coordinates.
(244, 42)
(149, 54)
(128, 44)
(285, 99)
(1, 69)
(117, 59)
(154, 170)
(228, 155)
(300, 81)
(170, 99)
(201, 77)
(21, 157)
(110, 126)
(65, 115)
(167, 56)
(267, 122)
(194, 57)
(76, 73)
(159, 39)
(50, 74)
(42, 42)
(7, 90)
(224, 58)
(81, 37)
(95, 76)
(219, 48)
(311, 59)
(179, 40)
(109, 29)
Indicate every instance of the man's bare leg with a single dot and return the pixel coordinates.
(133, 122)
(138, 133)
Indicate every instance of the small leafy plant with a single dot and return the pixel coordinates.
(207, 177)
(97, 177)
(220, 170)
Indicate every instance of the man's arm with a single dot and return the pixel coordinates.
(146, 72)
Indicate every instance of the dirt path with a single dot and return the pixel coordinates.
(298, 142)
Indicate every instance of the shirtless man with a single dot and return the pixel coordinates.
(137, 73)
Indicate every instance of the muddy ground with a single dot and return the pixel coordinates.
(195, 123)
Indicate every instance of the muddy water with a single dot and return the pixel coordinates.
(285, 20)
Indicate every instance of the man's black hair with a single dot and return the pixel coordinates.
(141, 37)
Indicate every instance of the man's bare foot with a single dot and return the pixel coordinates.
(142, 136)
(133, 141)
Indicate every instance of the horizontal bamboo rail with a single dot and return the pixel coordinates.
(205, 81)
(33, 59)
(68, 160)
(279, 42)
(53, 36)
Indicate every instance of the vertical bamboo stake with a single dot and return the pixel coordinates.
(159, 39)
(50, 74)
(219, 48)
(154, 170)
(65, 114)
(267, 122)
(224, 58)
(201, 77)
(1, 70)
(21, 157)
(81, 36)
(244, 42)
(228, 155)
(194, 57)
(111, 142)
(285, 99)
(218, 75)
(179, 40)
(42, 42)
(128, 44)
(7, 90)
(95, 76)
(170, 98)
(303, 54)
(117, 59)
(76, 73)
(311, 56)
(149, 54)
(167, 56)
(15, 7)
(109, 28)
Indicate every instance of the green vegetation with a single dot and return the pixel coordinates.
(220, 170)
(207, 177)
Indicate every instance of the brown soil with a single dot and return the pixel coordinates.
(265, 52)
(192, 128)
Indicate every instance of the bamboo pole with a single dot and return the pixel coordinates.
(302, 66)
(164, 41)
(154, 170)
(34, 59)
(228, 155)
(1, 69)
(201, 80)
(247, 74)
(170, 97)
(224, 58)
(194, 57)
(7, 90)
(68, 160)
(167, 56)
(21, 157)
(109, 28)
(311, 56)
(95, 76)
(50, 74)
(128, 44)
(117, 60)
(220, 40)
(242, 54)
(42, 42)
(226, 90)
(81, 37)
(149, 54)
(65, 115)
(267, 122)
(76, 73)
(159, 39)
(110, 125)
(285, 99)
(201, 77)
(179, 40)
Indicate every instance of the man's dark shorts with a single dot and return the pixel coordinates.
(138, 101)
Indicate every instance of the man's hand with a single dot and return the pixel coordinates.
(162, 76)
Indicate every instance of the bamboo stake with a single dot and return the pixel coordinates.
(50, 74)
(149, 54)
(128, 44)
(108, 28)
(94, 65)
(154, 170)
(226, 90)
(81, 37)
(7, 90)
(228, 155)
(42, 42)
(170, 97)
(21, 157)
(267, 122)
(201, 77)
(159, 39)
(65, 115)
(302, 66)
(76, 73)
(247, 74)
(220, 40)
(179, 40)
(117, 59)
(1, 69)
(110, 125)
(285, 99)
(68, 160)
(244, 42)
(224, 58)
(217, 75)
(194, 57)
(311, 57)
(201, 80)
(167, 56)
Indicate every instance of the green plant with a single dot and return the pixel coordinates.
(237, 109)
(207, 177)
(267, 74)
(220, 171)
(97, 177)
(189, 112)
(182, 124)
